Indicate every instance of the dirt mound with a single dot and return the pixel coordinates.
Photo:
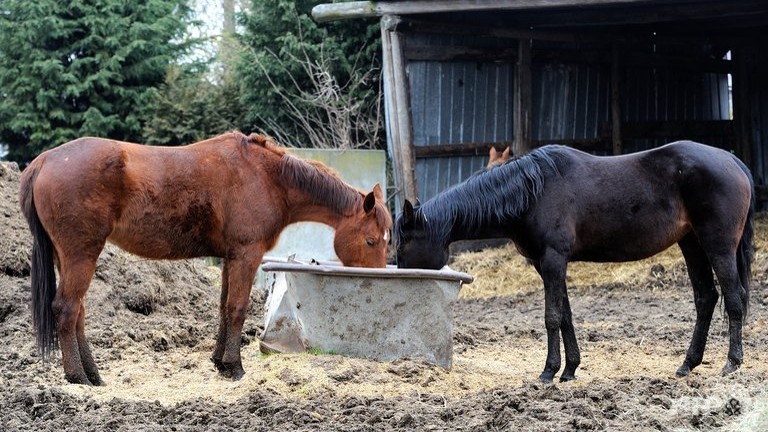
(15, 240)
(152, 325)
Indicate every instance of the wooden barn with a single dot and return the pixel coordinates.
(604, 76)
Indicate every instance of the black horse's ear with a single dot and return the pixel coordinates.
(407, 215)
(418, 203)
(369, 202)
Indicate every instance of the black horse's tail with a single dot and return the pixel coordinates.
(745, 251)
(42, 274)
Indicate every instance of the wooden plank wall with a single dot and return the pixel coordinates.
(462, 96)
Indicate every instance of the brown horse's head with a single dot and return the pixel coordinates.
(362, 239)
(494, 158)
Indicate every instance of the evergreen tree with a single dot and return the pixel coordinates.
(80, 68)
(189, 107)
(278, 35)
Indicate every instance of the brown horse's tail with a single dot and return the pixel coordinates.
(42, 274)
(745, 252)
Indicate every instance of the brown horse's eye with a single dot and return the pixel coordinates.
(370, 241)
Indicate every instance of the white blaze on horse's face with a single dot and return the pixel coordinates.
(386, 236)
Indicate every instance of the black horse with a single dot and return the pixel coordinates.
(560, 205)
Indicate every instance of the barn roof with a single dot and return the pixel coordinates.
(703, 16)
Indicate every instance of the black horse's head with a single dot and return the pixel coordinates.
(415, 247)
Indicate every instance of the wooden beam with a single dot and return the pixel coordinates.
(451, 28)
(678, 62)
(459, 53)
(522, 113)
(482, 149)
(397, 109)
(466, 149)
(677, 129)
(327, 12)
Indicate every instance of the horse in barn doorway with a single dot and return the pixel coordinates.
(560, 205)
(228, 197)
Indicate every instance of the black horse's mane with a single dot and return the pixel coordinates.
(489, 196)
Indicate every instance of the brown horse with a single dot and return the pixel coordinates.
(228, 197)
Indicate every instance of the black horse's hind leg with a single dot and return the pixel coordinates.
(734, 298)
(705, 297)
(572, 353)
(552, 267)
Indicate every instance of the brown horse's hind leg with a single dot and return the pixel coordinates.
(67, 308)
(221, 337)
(240, 275)
(89, 365)
(705, 297)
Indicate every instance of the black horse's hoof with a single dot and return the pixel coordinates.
(546, 377)
(730, 367)
(683, 371)
(565, 377)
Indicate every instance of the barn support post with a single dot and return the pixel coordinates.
(398, 111)
(742, 107)
(522, 113)
(616, 144)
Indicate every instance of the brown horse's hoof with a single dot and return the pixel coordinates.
(78, 379)
(233, 371)
(730, 367)
(219, 365)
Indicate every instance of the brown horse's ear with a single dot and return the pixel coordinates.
(370, 201)
(407, 214)
(492, 153)
(377, 192)
(505, 155)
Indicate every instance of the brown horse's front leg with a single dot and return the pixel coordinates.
(240, 275)
(552, 270)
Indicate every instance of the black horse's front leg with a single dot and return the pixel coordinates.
(572, 353)
(552, 269)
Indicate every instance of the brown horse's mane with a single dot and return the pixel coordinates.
(322, 182)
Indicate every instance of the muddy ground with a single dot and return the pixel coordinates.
(152, 327)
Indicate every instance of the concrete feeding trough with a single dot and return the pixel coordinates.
(381, 314)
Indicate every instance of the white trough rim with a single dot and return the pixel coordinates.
(390, 272)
